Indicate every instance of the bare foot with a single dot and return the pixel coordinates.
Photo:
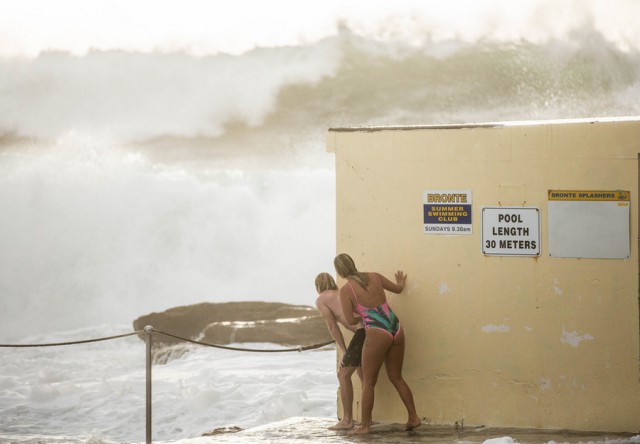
(342, 425)
(362, 430)
(412, 424)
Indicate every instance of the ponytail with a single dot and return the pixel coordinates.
(346, 268)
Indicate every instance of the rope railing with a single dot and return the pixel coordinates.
(148, 332)
(59, 344)
(255, 350)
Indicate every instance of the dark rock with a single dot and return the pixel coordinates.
(223, 430)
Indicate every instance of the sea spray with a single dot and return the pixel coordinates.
(268, 98)
(92, 234)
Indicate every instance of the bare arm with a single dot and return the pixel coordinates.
(394, 287)
(347, 307)
(332, 324)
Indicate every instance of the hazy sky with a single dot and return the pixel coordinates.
(200, 27)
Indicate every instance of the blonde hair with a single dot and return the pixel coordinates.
(346, 268)
(324, 282)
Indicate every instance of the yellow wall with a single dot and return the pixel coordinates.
(520, 373)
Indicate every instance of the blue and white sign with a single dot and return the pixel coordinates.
(447, 212)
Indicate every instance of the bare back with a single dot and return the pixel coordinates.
(374, 295)
(331, 300)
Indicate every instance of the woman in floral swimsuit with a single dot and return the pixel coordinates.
(364, 294)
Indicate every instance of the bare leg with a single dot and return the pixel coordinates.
(373, 355)
(346, 393)
(393, 365)
(361, 384)
(360, 374)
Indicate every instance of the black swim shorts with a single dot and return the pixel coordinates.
(353, 355)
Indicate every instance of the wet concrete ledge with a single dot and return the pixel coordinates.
(304, 430)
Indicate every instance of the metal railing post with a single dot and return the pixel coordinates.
(148, 330)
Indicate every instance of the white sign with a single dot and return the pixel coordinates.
(447, 211)
(589, 224)
(511, 231)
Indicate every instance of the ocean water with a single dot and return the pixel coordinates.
(95, 393)
(156, 155)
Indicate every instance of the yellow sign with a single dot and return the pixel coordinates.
(589, 195)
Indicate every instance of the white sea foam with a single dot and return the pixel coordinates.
(98, 390)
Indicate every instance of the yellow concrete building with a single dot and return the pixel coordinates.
(520, 241)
